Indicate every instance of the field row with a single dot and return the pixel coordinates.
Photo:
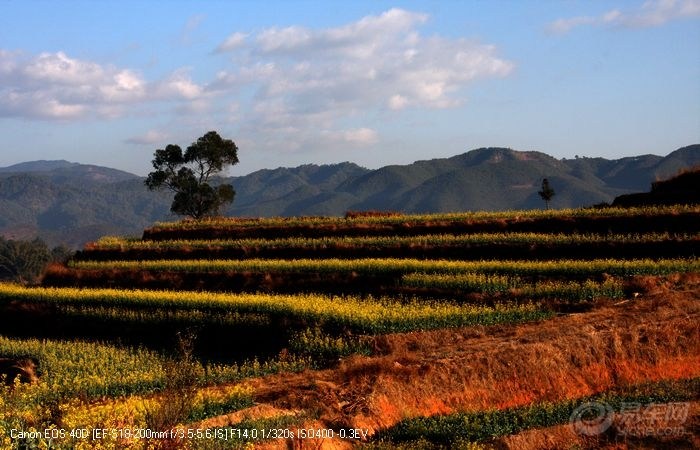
(680, 219)
(121, 243)
(369, 316)
(516, 287)
(380, 218)
(465, 246)
(565, 268)
(562, 284)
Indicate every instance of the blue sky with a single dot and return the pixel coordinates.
(372, 82)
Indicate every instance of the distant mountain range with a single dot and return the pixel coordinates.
(71, 203)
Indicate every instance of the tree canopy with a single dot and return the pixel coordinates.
(24, 261)
(188, 175)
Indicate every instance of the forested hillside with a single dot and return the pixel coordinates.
(69, 203)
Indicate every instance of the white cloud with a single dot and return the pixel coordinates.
(58, 68)
(125, 86)
(179, 85)
(57, 86)
(294, 88)
(561, 26)
(233, 42)
(309, 79)
(363, 136)
(150, 137)
(652, 13)
(7, 62)
(285, 39)
(658, 12)
(358, 39)
(397, 102)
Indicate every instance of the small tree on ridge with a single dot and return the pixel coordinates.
(546, 193)
(188, 175)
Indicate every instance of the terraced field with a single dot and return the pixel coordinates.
(470, 330)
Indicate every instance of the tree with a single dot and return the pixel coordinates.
(23, 261)
(188, 175)
(546, 193)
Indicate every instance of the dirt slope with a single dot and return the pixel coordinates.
(653, 337)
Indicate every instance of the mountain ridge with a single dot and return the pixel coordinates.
(72, 203)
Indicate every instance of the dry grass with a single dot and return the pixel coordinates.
(371, 213)
(25, 369)
(425, 373)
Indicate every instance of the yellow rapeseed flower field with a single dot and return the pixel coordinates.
(564, 267)
(363, 314)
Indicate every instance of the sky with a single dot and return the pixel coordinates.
(371, 82)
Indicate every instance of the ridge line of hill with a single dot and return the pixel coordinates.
(70, 203)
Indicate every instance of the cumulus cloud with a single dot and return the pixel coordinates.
(307, 78)
(357, 39)
(179, 85)
(652, 13)
(57, 86)
(294, 88)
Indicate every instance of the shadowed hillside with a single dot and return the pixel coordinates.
(684, 188)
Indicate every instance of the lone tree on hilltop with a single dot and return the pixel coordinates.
(188, 175)
(546, 193)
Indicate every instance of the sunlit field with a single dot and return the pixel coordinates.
(151, 343)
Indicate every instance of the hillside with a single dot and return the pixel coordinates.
(73, 203)
(683, 188)
(71, 211)
(68, 172)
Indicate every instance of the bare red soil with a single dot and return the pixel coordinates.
(655, 337)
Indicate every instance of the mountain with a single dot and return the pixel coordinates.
(72, 203)
(72, 211)
(303, 190)
(39, 166)
(68, 172)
